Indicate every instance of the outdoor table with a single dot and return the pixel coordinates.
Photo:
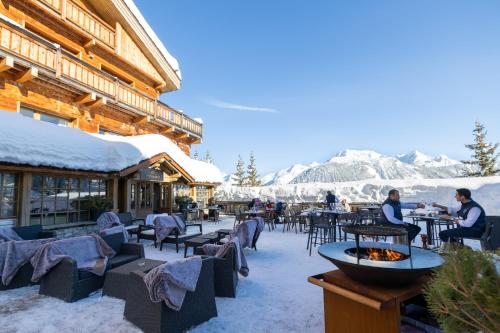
(195, 243)
(429, 223)
(213, 237)
(351, 306)
(223, 232)
(117, 280)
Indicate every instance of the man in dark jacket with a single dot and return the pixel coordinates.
(331, 199)
(391, 213)
(470, 218)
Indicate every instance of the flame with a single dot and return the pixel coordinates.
(383, 254)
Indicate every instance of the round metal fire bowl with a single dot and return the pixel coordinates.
(387, 273)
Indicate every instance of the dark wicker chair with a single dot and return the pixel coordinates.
(225, 274)
(68, 283)
(199, 306)
(148, 232)
(23, 276)
(490, 240)
(130, 223)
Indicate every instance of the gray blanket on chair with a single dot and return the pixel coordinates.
(14, 254)
(247, 230)
(115, 230)
(8, 234)
(170, 282)
(90, 252)
(164, 225)
(220, 251)
(107, 220)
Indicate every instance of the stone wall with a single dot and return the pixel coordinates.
(76, 231)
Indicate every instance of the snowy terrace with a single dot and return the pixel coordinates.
(275, 297)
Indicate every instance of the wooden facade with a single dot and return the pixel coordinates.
(88, 64)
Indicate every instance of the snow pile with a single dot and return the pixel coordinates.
(485, 190)
(37, 143)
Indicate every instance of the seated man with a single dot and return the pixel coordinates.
(470, 218)
(391, 213)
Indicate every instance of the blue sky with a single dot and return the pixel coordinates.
(298, 81)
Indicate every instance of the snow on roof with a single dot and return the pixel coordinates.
(147, 28)
(32, 142)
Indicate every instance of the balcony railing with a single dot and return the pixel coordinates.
(29, 47)
(83, 19)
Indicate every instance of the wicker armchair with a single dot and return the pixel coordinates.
(225, 273)
(68, 283)
(199, 306)
(23, 276)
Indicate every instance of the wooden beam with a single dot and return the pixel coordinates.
(161, 86)
(86, 98)
(141, 120)
(26, 75)
(196, 141)
(100, 101)
(182, 136)
(90, 43)
(6, 64)
(166, 130)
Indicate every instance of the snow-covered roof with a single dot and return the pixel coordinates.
(159, 44)
(32, 142)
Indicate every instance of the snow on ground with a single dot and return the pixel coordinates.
(36, 143)
(275, 297)
(485, 191)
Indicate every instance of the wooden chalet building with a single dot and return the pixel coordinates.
(94, 66)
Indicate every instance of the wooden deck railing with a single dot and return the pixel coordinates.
(83, 19)
(39, 52)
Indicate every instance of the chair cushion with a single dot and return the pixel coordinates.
(149, 232)
(190, 233)
(121, 259)
(115, 241)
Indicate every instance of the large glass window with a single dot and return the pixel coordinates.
(164, 196)
(60, 200)
(30, 113)
(202, 196)
(8, 196)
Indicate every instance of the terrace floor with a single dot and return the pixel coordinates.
(275, 297)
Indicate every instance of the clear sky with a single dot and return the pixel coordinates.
(298, 81)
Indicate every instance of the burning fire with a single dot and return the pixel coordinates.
(383, 254)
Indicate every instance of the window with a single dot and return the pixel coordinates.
(132, 196)
(144, 195)
(202, 195)
(8, 196)
(164, 196)
(60, 200)
(106, 132)
(43, 117)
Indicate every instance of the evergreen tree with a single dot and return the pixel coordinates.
(208, 158)
(195, 155)
(240, 172)
(252, 174)
(484, 156)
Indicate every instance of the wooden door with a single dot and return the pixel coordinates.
(144, 199)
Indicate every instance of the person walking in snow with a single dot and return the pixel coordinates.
(470, 218)
(391, 213)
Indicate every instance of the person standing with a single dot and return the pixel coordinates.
(331, 199)
(470, 218)
(391, 213)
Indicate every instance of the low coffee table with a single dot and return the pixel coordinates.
(116, 280)
(213, 237)
(194, 243)
(223, 232)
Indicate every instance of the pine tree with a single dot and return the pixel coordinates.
(240, 172)
(195, 155)
(484, 156)
(208, 158)
(252, 174)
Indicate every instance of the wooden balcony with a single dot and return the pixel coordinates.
(55, 63)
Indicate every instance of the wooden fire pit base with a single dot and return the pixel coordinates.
(351, 306)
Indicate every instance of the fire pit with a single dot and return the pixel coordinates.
(380, 263)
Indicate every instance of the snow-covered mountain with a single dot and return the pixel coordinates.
(354, 165)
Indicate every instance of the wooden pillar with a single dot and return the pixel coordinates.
(113, 191)
(192, 192)
(24, 199)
